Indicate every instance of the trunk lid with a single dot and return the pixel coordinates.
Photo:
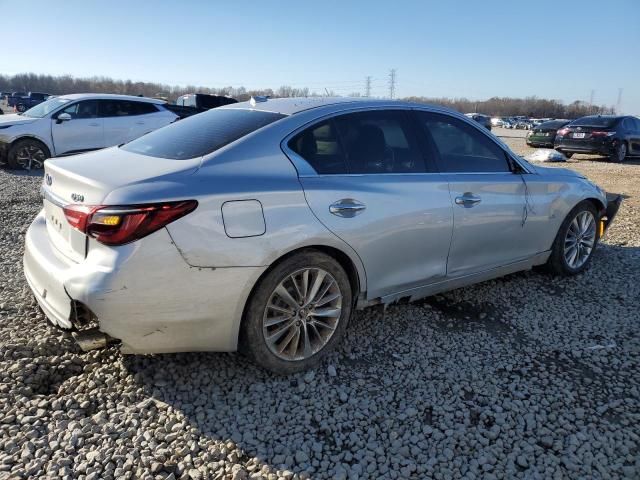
(88, 179)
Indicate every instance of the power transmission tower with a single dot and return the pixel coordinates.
(392, 83)
(619, 102)
(367, 86)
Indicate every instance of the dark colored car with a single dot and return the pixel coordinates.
(544, 134)
(22, 104)
(615, 137)
(11, 99)
(483, 120)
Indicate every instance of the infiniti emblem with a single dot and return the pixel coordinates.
(49, 179)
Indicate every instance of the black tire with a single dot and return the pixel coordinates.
(557, 263)
(37, 151)
(252, 339)
(21, 108)
(619, 153)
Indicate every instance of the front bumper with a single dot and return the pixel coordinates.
(143, 294)
(614, 201)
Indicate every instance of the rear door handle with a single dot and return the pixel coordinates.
(139, 123)
(347, 208)
(468, 200)
(94, 124)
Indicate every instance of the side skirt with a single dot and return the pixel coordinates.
(458, 282)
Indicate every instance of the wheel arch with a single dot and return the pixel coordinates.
(31, 137)
(345, 261)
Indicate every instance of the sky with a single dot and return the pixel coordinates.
(561, 50)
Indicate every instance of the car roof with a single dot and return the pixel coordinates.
(293, 105)
(110, 96)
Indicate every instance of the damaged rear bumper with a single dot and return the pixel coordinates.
(142, 294)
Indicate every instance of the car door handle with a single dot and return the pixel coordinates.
(468, 200)
(139, 123)
(347, 207)
(94, 124)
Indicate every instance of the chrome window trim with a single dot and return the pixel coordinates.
(305, 170)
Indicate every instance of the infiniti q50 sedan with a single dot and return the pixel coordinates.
(261, 226)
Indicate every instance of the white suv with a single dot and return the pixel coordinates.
(77, 123)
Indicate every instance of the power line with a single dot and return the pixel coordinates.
(392, 82)
(367, 86)
(619, 102)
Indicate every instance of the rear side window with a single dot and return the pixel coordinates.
(319, 146)
(201, 134)
(125, 108)
(372, 142)
(461, 147)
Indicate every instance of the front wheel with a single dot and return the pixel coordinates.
(297, 313)
(576, 241)
(21, 108)
(28, 154)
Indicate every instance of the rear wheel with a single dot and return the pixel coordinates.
(619, 153)
(28, 154)
(21, 107)
(576, 241)
(297, 313)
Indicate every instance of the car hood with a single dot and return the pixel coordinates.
(565, 172)
(15, 119)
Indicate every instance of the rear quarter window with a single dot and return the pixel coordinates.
(201, 134)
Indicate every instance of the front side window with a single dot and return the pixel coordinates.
(461, 147)
(201, 134)
(124, 108)
(84, 109)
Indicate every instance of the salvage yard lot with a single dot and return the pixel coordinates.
(529, 376)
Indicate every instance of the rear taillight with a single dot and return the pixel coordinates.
(602, 134)
(563, 131)
(117, 225)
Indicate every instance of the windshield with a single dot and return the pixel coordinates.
(201, 134)
(45, 108)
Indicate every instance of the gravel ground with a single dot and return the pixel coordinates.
(529, 376)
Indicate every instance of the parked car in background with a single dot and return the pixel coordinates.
(22, 104)
(193, 103)
(497, 122)
(524, 124)
(484, 120)
(11, 99)
(261, 226)
(615, 137)
(544, 134)
(72, 124)
(4, 95)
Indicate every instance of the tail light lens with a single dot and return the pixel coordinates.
(563, 131)
(602, 134)
(119, 225)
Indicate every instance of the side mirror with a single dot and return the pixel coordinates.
(63, 117)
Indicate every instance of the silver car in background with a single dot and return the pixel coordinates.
(71, 124)
(261, 225)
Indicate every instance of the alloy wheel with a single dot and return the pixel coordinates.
(580, 239)
(30, 157)
(302, 314)
(622, 152)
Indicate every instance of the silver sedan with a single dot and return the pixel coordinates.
(261, 226)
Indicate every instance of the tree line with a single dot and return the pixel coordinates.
(496, 106)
